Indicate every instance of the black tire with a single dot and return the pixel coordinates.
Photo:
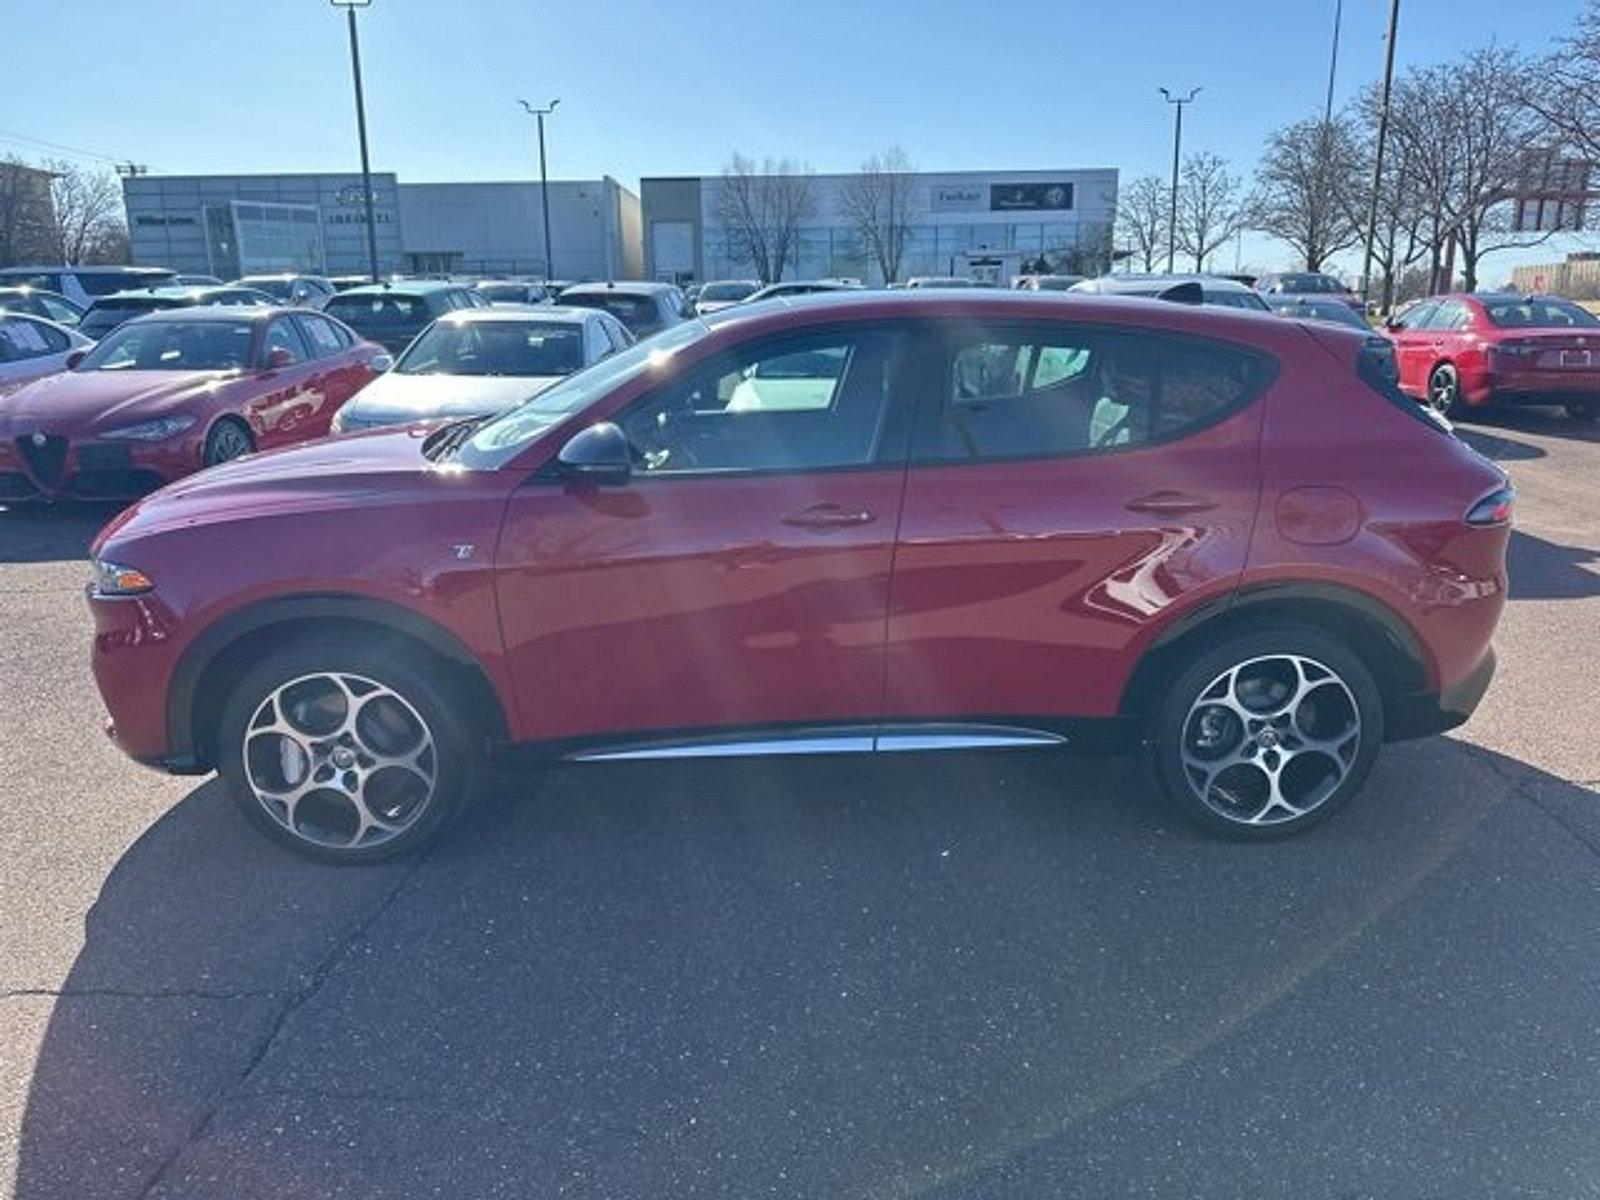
(227, 439)
(1444, 391)
(1234, 794)
(1585, 411)
(419, 695)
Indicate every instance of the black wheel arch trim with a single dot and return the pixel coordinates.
(205, 649)
(1239, 603)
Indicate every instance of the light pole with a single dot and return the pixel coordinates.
(1377, 157)
(540, 114)
(1177, 148)
(350, 7)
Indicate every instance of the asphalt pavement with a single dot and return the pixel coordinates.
(994, 975)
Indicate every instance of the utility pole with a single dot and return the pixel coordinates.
(1333, 60)
(540, 114)
(350, 7)
(1377, 158)
(1177, 150)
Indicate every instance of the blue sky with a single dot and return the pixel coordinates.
(653, 87)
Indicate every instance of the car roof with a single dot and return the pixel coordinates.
(627, 287)
(64, 269)
(1112, 285)
(404, 287)
(218, 312)
(1257, 326)
(553, 314)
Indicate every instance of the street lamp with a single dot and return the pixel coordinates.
(1377, 158)
(544, 183)
(350, 7)
(1177, 145)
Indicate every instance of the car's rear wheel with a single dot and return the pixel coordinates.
(1444, 391)
(1268, 733)
(343, 753)
(227, 439)
(1583, 410)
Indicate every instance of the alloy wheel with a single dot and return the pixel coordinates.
(1442, 388)
(1270, 739)
(340, 760)
(227, 442)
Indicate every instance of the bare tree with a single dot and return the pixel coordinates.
(1209, 208)
(1305, 187)
(25, 216)
(88, 211)
(1398, 237)
(1564, 89)
(1142, 219)
(876, 201)
(762, 208)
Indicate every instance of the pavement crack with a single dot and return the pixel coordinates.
(1521, 785)
(293, 1002)
(142, 993)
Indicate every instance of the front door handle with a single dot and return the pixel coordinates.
(1169, 504)
(829, 516)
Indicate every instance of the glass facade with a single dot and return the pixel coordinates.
(278, 237)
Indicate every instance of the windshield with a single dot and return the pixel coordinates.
(367, 312)
(1540, 312)
(495, 348)
(173, 345)
(638, 313)
(103, 316)
(501, 293)
(1235, 299)
(726, 291)
(499, 440)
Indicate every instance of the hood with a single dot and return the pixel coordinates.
(394, 398)
(95, 400)
(331, 473)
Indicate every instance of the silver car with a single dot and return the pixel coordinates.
(31, 348)
(480, 361)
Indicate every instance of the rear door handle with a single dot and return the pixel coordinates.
(828, 516)
(1169, 504)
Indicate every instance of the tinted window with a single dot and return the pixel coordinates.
(58, 310)
(278, 288)
(1071, 390)
(1539, 313)
(102, 317)
(173, 345)
(281, 335)
(736, 290)
(1417, 316)
(379, 311)
(104, 283)
(638, 313)
(503, 293)
(790, 404)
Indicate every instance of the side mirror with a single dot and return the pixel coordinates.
(381, 363)
(74, 359)
(1393, 325)
(599, 454)
(278, 358)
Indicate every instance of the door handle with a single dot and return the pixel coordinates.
(829, 516)
(1169, 504)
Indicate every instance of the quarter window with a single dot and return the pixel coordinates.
(795, 404)
(1071, 390)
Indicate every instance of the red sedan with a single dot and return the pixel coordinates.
(874, 522)
(1472, 350)
(165, 395)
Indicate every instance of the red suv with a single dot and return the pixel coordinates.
(1460, 352)
(841, 523)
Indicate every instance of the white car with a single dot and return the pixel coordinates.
(31, 348)
(723, 293)
(480, 361)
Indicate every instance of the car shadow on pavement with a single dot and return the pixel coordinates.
(912, 975)
(1543, 420)
(1544, 570)
(1492, 444)
(38, 533)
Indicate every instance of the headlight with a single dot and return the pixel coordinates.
(114, 579)
(152, 431)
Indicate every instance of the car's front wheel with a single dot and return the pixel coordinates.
(1267, 733)
(344, 753)
(227, 439)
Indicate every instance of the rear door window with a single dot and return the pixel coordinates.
(21, 339)
(321, 337)
(281, 335)
(1074, 390)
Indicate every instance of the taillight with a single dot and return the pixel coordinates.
(1510, 354)
(1493, 509)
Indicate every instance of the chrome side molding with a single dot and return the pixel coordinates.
(892, 738)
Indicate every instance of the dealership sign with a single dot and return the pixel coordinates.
(957, 198)
(1005, 197)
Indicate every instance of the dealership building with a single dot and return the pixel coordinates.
(232, 225)
(981, 224)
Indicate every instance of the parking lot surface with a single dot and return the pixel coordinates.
(996, 975)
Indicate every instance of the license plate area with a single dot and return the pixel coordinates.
(1576, 358)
